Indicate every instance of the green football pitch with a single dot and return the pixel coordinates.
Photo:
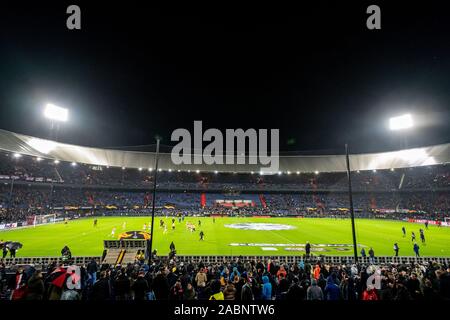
(249, 236)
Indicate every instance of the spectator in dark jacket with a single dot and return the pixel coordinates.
(246, 291)
(122, 286)
(140, 287)
(36, 287)
(92, 269)
(101, 290)
(295, 292)
(332, 291)
(160, 287)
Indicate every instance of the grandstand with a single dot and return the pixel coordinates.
(51, 199)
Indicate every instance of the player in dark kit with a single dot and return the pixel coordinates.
(404, 231)
(422, 236)
(426, 224)
(413, 236)
(199, 223)
(202, 236)
(95, 222)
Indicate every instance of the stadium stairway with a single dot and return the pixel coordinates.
(120, 256)
(129, 256)
(113, 255)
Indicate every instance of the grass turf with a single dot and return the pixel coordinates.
(85, 240)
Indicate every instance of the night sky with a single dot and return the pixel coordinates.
(314, 72)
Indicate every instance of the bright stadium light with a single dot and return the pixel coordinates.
(298, 172)
(170, 170)
(150, 169)
(56, 113)
(56, 161)
(73, 164)
(140, 169)
(316, 172)
(198, 171)
(216, 172)
(38, 159)
(374, 170)
(401, 122)
(123, 168)
(17, 155)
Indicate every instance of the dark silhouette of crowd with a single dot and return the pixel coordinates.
(231, 280)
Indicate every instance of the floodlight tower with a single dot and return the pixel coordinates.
(155, 175)
(402, 123)
(56, 115)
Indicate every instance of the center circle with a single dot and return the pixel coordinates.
(259, 226)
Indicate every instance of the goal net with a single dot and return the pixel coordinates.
(41, 219)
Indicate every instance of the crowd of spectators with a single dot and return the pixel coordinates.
(231, 280)
(43, 186)
(28, 169)
(25, 200)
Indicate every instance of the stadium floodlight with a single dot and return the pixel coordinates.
(251, 172)
(159, 169)
(56, 113)
(374, 170)
(280, 173)
(73, 164)
(298, 172)
(197, 171)
(401, 122)
(316, 172)
(288, 172)
(56, 161)
(392, 169)
(140, 169)
(123, 168)
(17, 155)
(170, 170)
(357, 171)
(216, 172)
(150, 169)
(38, 159)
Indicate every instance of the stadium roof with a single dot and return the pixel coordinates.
(32, 146)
